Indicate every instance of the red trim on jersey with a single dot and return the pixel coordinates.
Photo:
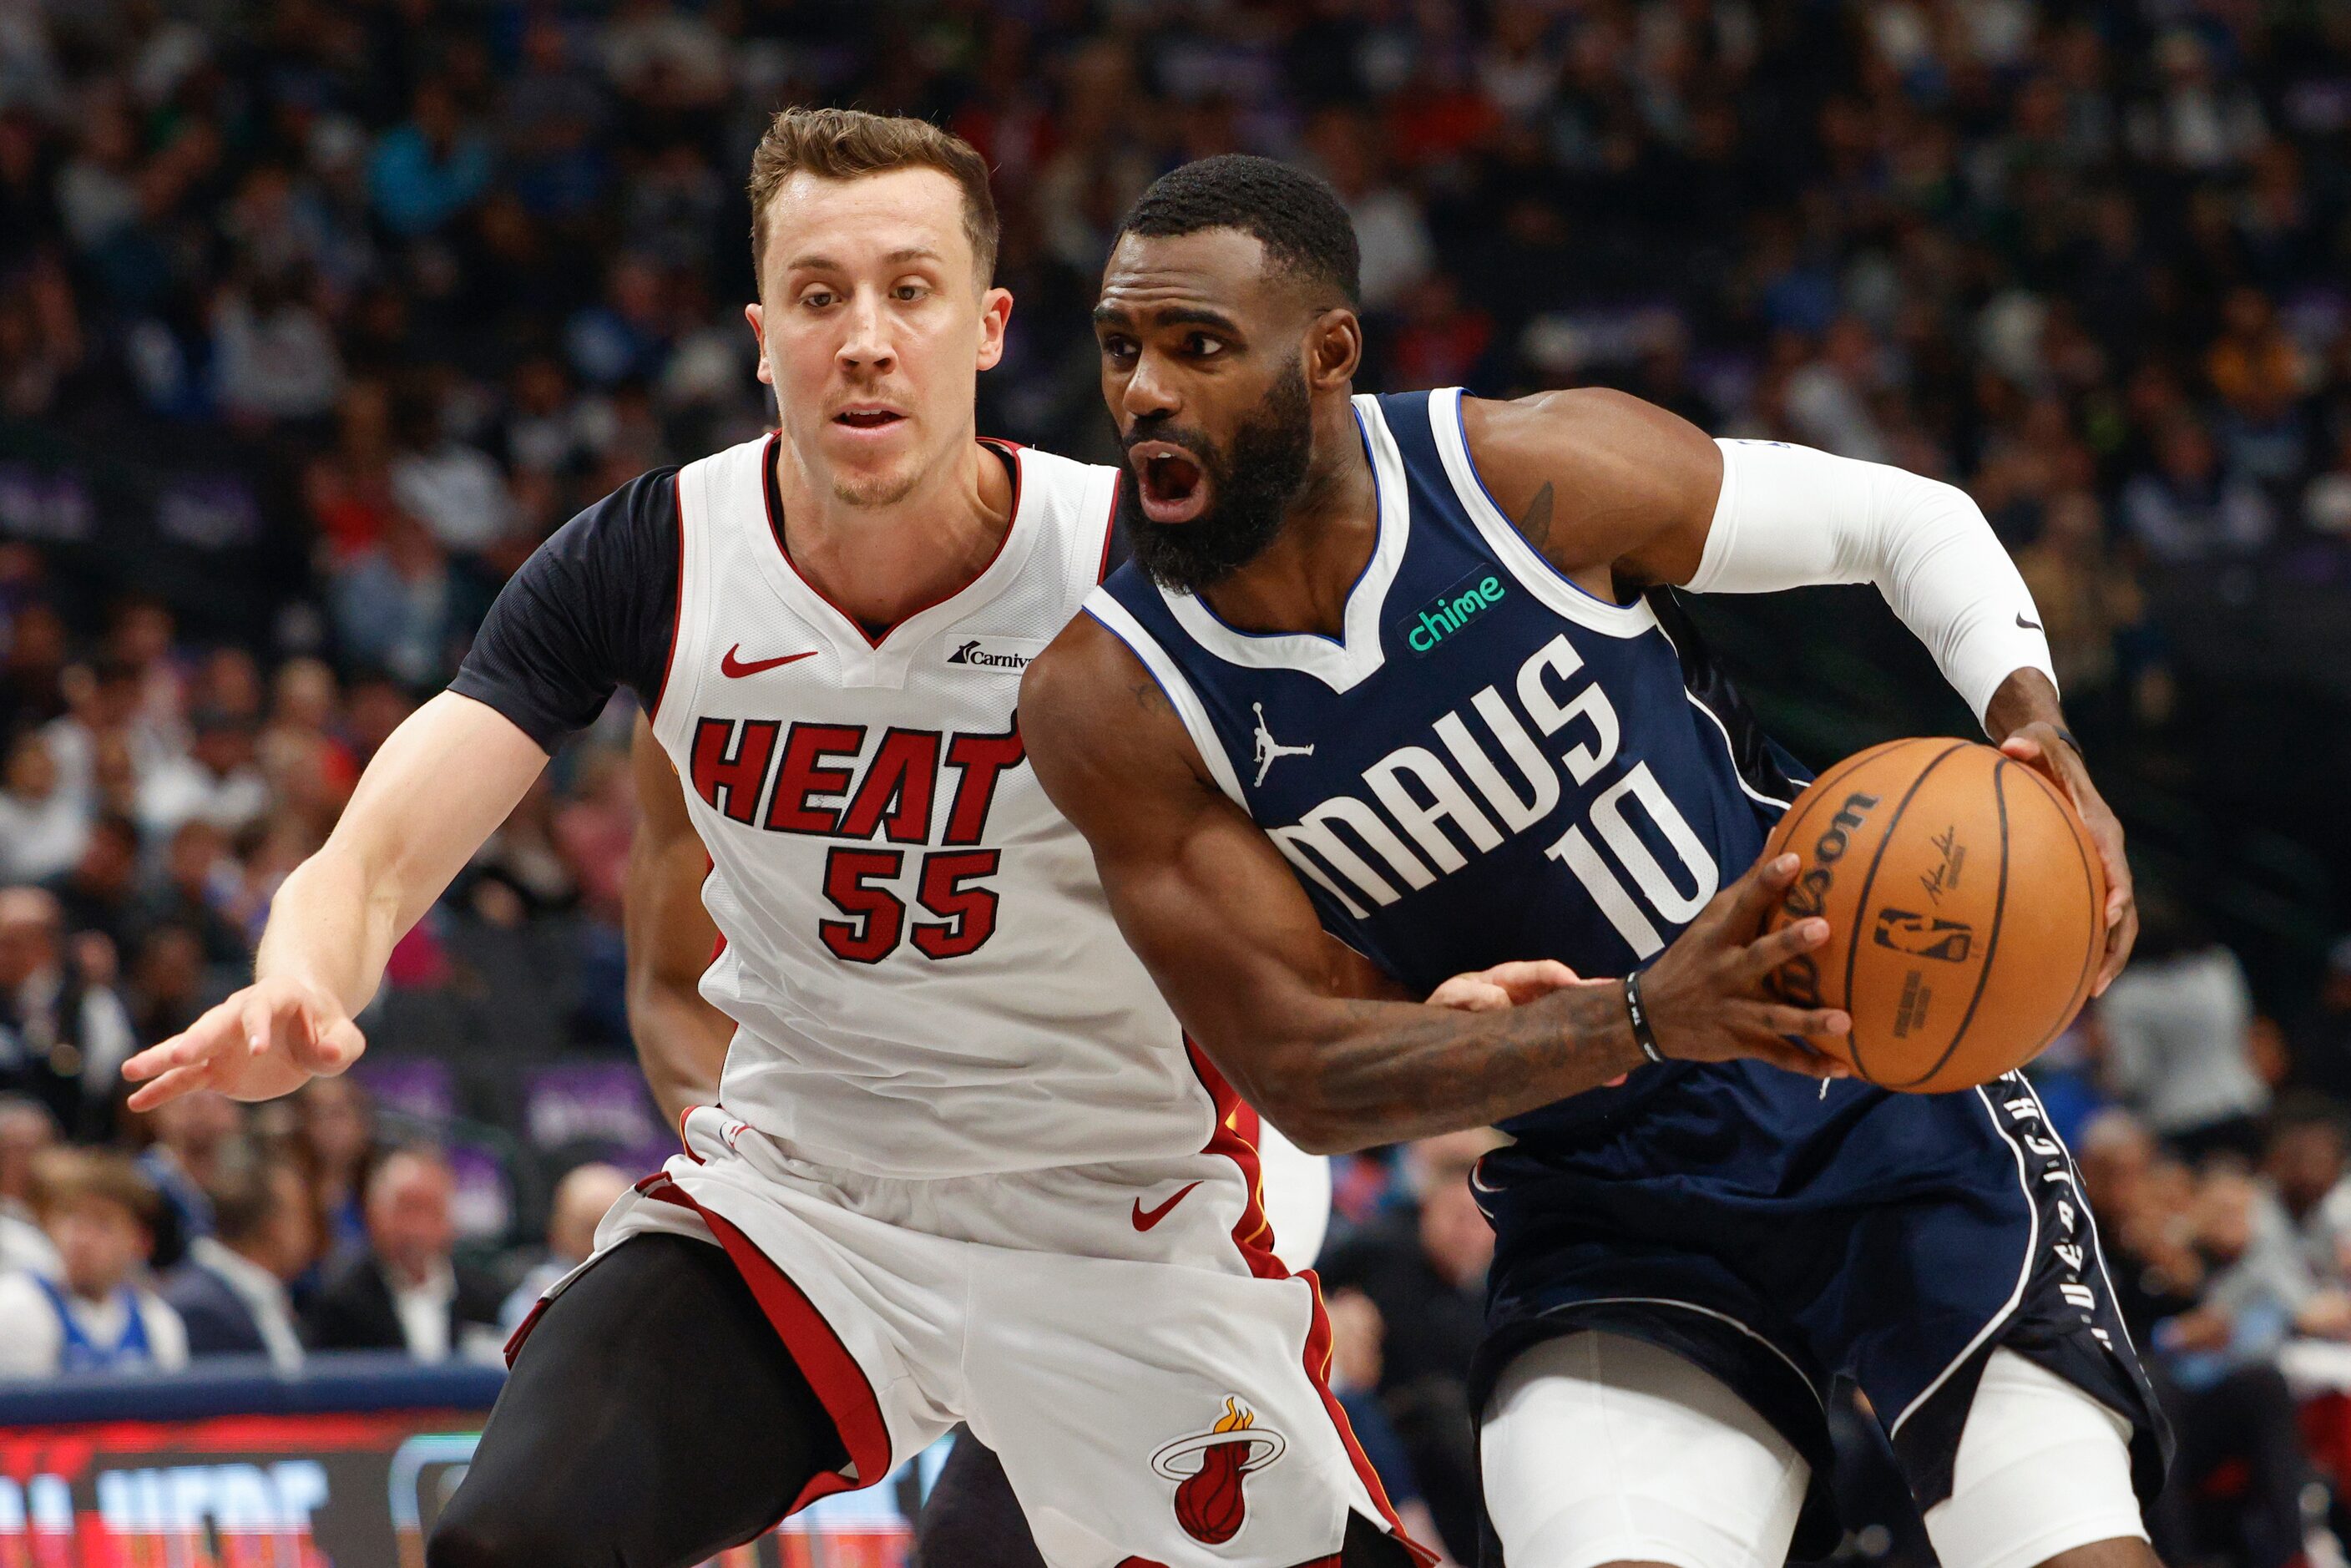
(522, 1330)
(776, 529)
(1110, 527)
(1235, 1138)
(677, 608)
(839, 1382)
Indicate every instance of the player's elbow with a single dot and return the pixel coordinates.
(1287, 1092)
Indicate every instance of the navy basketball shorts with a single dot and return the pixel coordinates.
(1677, 1288)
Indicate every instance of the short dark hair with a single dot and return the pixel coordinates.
(1297, 217)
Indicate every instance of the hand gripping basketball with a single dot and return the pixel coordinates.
(1705, 994)
(267, 1039)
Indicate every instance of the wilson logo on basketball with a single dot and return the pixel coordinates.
(1800, 980)
(1208, 1467)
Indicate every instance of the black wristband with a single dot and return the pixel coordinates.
(2068, 736)
(1643, 1036)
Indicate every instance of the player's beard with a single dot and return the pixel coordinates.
(1251, 485)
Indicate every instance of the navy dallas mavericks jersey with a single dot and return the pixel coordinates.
(1491, 763)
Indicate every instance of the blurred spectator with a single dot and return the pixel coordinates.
(392, 604)
(2176, 1025)
(97, 1314)
(64, 1034)
(405, 1291)
(334, 1135)
(273, 357)
(2304, 1166)
(1389, 228)
(1425, 1271)
(215, 781)
(2233, 1414)
(455, 491)
(581, 1200)
(166, 989)
(196, 1135)
(2186, 509)
(231, 1289)
(43, 828)
(99, 892)
(2088, 600)
(27, 1129)
(431, 167)
(197, 892)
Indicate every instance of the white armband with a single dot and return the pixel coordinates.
(1789, 515)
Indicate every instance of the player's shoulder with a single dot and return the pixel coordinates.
(642, 512)
(1566, 421)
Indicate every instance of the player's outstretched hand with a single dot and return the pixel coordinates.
(1705, 994)
(267, 1039)
(2043, 745)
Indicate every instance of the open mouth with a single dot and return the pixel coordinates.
(1169, 481)
(868, 419)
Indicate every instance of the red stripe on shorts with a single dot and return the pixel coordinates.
(1236, 1138)
(839, 1382)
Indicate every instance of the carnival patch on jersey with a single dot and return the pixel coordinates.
(993, 655)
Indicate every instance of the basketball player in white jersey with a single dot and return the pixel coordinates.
(964, 1165)
(970, 1518)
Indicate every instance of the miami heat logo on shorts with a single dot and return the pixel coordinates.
(1207, 1468)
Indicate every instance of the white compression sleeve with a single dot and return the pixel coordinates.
(1789, 515)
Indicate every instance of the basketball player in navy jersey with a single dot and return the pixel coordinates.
(1409, 670)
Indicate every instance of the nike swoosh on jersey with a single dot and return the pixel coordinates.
(1145, 1219)
(735, 669)
(2027, 625)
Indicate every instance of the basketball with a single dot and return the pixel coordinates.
(1966, 909)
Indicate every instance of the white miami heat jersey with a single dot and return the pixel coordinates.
(921, 961)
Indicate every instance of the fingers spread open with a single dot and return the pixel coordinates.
(179, 1081)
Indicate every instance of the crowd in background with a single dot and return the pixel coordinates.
(315, 318)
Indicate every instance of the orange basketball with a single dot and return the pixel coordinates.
(1966, 909)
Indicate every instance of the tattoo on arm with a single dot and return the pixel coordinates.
(1150, 699)
(1534, 523)
(1443, 1070)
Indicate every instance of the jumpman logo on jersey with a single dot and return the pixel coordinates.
(1269, 750)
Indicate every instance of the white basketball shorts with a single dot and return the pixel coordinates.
(1121, 1335)
(1599, 1448)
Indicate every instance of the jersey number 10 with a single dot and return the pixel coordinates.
(1659, 888)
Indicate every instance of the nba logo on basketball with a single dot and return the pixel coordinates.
(1207, 1468)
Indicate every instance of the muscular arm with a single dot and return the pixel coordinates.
(1614, 491)
(681, 1040)
(1214, 911)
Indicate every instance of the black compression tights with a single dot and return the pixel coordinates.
(651, 1420)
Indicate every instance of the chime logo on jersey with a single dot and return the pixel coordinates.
(1209, 1467)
